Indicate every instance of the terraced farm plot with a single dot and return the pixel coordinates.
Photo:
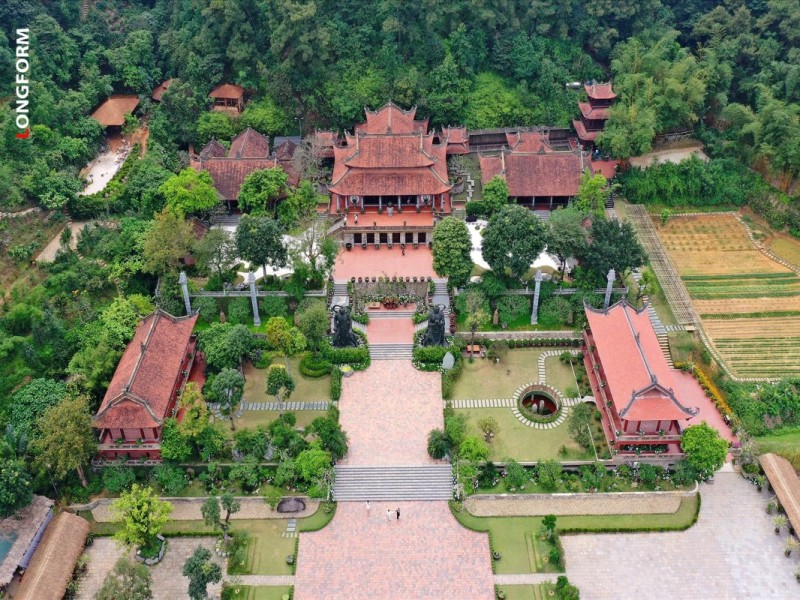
(749, 303)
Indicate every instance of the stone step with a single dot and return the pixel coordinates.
(390, 314)
(375, 483)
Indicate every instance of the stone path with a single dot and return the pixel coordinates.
(264, 580)
(188, 509)
(623, 503)
(731, 553)
(168, 582)
(526, 578)
(388, 411)
(52, 248)
(426, 554)
(482, 403)
(293, 406)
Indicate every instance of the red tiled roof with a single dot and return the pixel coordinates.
(374, 182)
(285, 150)
(113, 110)
(389, 151)
(600, 91)
(607, 168)
(249, 144)
(595, 113)
(584, 134)
(535, 174)
(159, 90)
(213, 149)
(528, 141)
(390, 118)
(141, 388)
(455, 135)
(639, 380)
(229, 173)
(227, 91)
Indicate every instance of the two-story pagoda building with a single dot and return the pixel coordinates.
(594, 113)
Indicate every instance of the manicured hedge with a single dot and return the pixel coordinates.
(336, 384)
(311, 366)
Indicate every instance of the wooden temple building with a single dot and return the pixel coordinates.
(538, 175)
(594, 113)
(249, 151)
(112, 112)
(159, 361)
(228, 97)
(644, 403)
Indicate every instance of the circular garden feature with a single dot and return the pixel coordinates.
(539, 402)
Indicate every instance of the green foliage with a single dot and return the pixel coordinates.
(201, 571)
(451, 251)
(66, 440)
(765, 407)
(227, 389)
(265, 116)
(580, 423)
(280, 382)
(260, 241)
(516, 475)
(240, 311)
(168, 239)
(190, 192)
(493, 103)
(705, 449)
(330, 435)
(170, 478)
(31, 402)
(314, 322)
(224, 344)
(118, 479)
(141, 515)
(495, 195)
(336, 384)
(312, 463)
(175, 445)
(512, 240)
(555, 312)
(592, 194)
(614, 246)
(473, 449)
(455, 427)
(511, 308)
(548, 474)
(273, 306)
(314, 367)
(215, 125)
(128, 579)
(15, 486)
(207, 307)
(438, 444)
(261, 189)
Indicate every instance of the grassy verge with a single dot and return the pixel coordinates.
(786, 444)
(246, 592)
(527, 592)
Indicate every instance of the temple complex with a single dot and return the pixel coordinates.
(594, 113)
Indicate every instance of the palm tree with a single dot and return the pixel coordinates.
(780, 522)
(790, 545)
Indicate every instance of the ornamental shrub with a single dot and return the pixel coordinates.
(314, 367)
(273, 306)
(336, 384)
(475, 208)
(207, 307)
(516, 474)
(240, 311)
(170, 478)
(511, 308)
(118, 479)
(555, 312)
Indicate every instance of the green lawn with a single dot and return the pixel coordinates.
(559, 375)
(267, 548)
(527, 592)
(307, 390)
(485, 379)
(245, 592)
(785, 443)
(511, 536)
(253, 418)
(524, 443)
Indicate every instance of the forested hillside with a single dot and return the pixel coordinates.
(730, 69)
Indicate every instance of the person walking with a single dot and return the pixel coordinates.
(388, 515)
(355, 219)
(367, 505)
(398, 514)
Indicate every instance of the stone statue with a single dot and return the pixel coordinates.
(343, 335)
(434, 336)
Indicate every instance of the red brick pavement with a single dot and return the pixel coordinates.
(426, 554)
(384, 262)
(388, 411)
(390, 331)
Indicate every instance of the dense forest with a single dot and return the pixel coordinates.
(730, 70)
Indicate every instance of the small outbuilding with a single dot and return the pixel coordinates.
(112, 112)
(159, 90)
(52, 566)
(228, 97)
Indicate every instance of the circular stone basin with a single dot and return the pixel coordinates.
(539, 403)
(291, 505)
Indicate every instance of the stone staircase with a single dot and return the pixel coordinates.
(659, 327)
(226, 220)
(440, 294)
(341, 296)
(385, 483)
(391, 351)
(390, 314)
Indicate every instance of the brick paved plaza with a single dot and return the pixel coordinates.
(427, 554)
(731, 554)
(390, 331)
(384, 262)
(387, 412)
(168, 581)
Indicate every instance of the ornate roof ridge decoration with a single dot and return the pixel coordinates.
(636, 394)
(623, 302)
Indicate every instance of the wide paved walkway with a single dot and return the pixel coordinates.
(384, 262)
(426, 554)
(730, 554)
(388, 411)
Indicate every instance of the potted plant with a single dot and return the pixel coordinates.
(377, 245)
(363, 245)
(779, 521)
(790, 546)
(352, 279)
(349, 246)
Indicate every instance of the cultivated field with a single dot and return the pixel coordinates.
(750, 304)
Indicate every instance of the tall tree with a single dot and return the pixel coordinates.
(477, 313)
(260, 241)
(227, 389)
(280, 382)
(67, 439)
(175, 119)
(201, 571)
(495, 194)
(262, 189)
(593, 192)
(212, 513)
(169, 239)
(190, 192)
(195, 411)
(451, 251)
(225, 345)
(705, 449)
(314, 322)
(216, 251)
(614, 246)
(30, 402)
(512, 240)
(141, 515)
(15, 486)
(566, 236)
(128, 579)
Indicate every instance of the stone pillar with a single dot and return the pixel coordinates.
(418, 200)
(399, 203)
(609, 285)
(338, 206)
(184, 281)
(251, 279)
(535, 307)
(380, 203)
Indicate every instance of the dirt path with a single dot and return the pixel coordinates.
(50, 251)
(673, 154)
